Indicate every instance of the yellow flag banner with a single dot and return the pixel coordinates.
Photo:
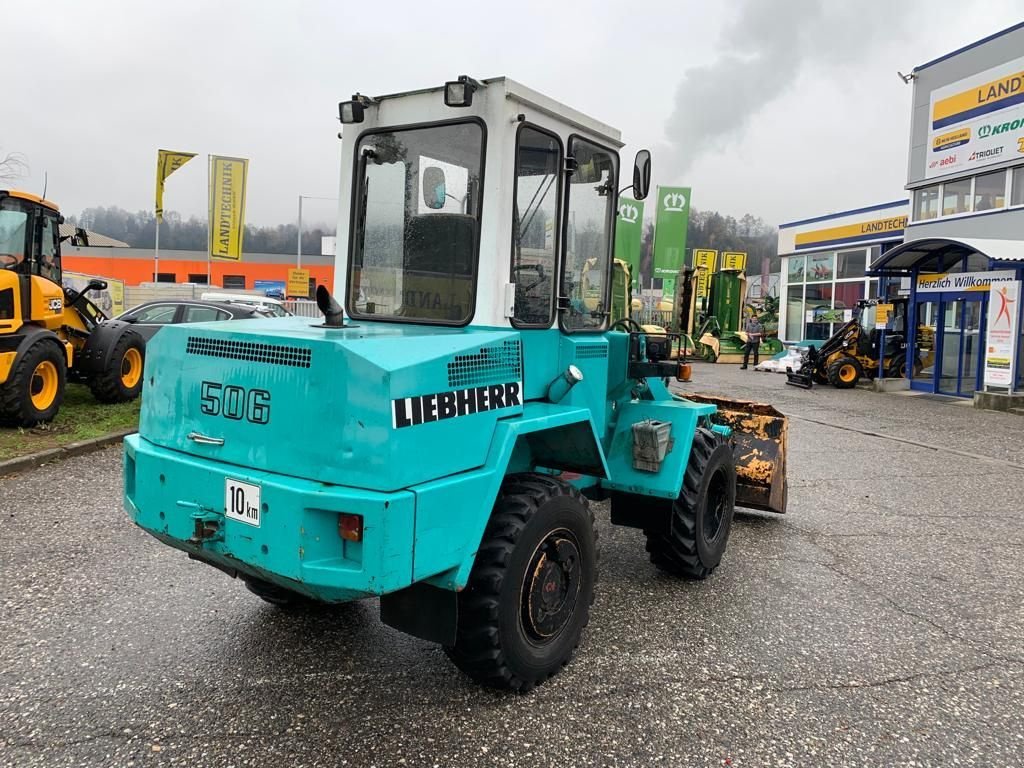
(167, 162)
(227, 206)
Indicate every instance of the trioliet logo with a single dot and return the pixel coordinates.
(674, 201)
(421, 409)
(628, 213)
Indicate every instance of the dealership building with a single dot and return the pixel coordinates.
(959, 255)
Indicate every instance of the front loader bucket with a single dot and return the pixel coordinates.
(759, 448)
(799, 378)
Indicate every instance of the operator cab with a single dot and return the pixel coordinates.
(433, 179)
(29, 235)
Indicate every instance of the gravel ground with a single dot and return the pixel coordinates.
(880, 622)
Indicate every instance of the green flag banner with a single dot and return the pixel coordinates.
(668, 288)
(670, 227)
(629, 232)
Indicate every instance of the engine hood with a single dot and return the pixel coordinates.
(379, 406)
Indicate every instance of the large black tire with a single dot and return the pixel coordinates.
(529, 594)
(845, 372)
(691, 542)
(121, 380)
(275, 595)
(34, 390)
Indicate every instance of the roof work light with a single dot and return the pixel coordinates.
(352, 111)
(459, 93)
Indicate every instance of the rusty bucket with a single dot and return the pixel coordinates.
(759, 447)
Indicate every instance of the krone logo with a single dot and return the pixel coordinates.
(984, 131)
(674, 201)
(628, 213)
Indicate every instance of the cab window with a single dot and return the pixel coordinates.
(417, 224)
(590, 205)
(48, 250)
(535, 228)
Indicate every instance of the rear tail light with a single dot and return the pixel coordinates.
(350, 527)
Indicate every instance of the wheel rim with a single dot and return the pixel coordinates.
(716, 508)
(44, 386)
(551, 586)
(131, 368)
(847, 374)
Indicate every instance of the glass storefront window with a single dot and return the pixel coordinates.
(850, 264)
(990, 191)
(848, 294)
(1017, 187)
(818, 314)
(796, 268)
(926, 203)
(956, 197)
(795, 312)
(819, 267)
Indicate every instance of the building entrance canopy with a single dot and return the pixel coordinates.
(939, 254)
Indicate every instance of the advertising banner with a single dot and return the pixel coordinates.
(670, 228)
(629, 233)
(734, 260)
(1001, 337)
(227, 206)
(704, 265)
(167, 162)
(977, 121)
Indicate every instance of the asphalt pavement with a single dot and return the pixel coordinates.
(879, 623)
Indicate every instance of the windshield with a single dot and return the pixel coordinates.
(416, 228)
(12, 237)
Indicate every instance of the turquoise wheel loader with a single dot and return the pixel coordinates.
(436, 439)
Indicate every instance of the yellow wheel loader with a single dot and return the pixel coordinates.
(49, 334)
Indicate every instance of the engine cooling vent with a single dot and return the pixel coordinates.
(591, 351)
(498, 363)
(256, 352)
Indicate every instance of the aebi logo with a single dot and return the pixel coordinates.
(674, 201)
(628, 213)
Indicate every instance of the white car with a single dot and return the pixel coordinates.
(272, 307)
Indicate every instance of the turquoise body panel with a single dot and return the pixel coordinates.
(412, 427)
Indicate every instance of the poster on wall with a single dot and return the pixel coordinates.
(110, 300)
(977, 121)
(1003, 310)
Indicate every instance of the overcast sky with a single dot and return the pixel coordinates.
(783, 109)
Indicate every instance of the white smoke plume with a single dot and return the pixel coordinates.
(764, 50)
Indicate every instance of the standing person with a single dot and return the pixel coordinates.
(754, 331)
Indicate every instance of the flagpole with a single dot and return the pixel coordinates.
(156, 252)
(209, 217)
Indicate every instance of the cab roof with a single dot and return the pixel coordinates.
(528, 97)
(30, 197)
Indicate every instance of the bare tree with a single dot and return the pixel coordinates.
(12, 166)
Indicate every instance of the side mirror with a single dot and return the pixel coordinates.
(130, 319)
(95, 285)
(434, 191)
(641, 174)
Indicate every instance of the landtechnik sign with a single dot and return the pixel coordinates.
(977, 121)
(863, 231)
